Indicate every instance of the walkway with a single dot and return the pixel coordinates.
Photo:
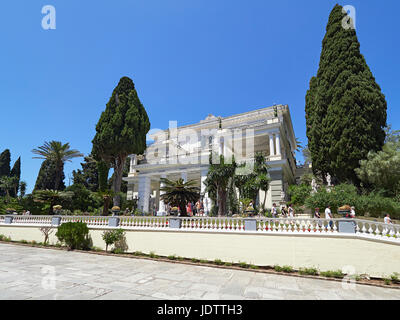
(35, 273)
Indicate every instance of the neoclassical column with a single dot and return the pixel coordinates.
(271, 144)
(206, 199)
(278, 144)
(161, 205)
(144, 193)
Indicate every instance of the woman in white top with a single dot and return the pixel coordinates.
(387, 219)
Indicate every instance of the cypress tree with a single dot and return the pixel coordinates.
(16, 173)
(345, 108)
(5, 160)
(47, 176)
(121, 130)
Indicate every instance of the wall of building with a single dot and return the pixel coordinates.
(325, 253)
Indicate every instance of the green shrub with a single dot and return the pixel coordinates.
(332, 274)
(153, 255)
(244, 265)
(252, 266)
(111, 237)
(218, 262)
(228, 264)
(194, 260)
(75, 235)
(138, 253)
(308, 271)
(24, 241)
(395, 277)
(172, 257)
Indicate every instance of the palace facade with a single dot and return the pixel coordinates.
(184, 152)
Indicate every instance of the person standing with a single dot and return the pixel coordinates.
(353, 213)
(328, 215)
(274, 211)
(387, 219)
(291, 211)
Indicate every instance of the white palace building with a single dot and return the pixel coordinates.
(184, 152)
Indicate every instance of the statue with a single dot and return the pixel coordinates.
(329, 180)
(314, 185)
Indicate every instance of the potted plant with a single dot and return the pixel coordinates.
(115, 210)
(174, 211)
(57, 209)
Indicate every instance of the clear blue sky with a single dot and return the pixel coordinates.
(188, 58)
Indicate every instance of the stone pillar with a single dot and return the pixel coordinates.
(144, 193)
(278, 144)
(161, 205)
(206, 199)
(271, 145)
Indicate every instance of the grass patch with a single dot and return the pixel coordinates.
(244, 265)
(252, 266)
(218, 262)
(286, 269)
(228, 264)
(138, 253)
(195, 260)
(387, 281)
(172, 257)
(203, 261)
(333, 274)
(24, 241)
(395, 277)
(153, 255)
(308, 271)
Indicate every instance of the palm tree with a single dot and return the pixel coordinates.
(106, 196)
(218, 178)
(22, 188)
(179, 193)
(58, 153)
(7, 184)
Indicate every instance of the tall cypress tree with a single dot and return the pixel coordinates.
(47, 176)
(16, 173)
(5, 160)
(345, 108)
(121, 130)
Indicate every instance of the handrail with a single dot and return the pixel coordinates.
(297, 225)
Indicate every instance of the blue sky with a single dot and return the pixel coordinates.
(188, 58)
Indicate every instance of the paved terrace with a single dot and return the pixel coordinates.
(25, 273)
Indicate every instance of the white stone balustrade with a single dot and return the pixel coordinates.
(285, 226)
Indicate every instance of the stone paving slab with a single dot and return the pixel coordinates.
(45, 274)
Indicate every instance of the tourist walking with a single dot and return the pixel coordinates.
(291, 211)
(274, 211)
(387, 219)
(328, 215)
(353, 212)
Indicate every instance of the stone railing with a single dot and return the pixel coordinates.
(285, 226)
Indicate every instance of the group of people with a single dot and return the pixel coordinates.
(192, 209)
(286, 211)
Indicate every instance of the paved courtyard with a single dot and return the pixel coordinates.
(34, 273)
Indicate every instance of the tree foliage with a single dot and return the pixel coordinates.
(121, 130)
(179, 193)
(57, 153)
(47, 176)
(345, 108)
